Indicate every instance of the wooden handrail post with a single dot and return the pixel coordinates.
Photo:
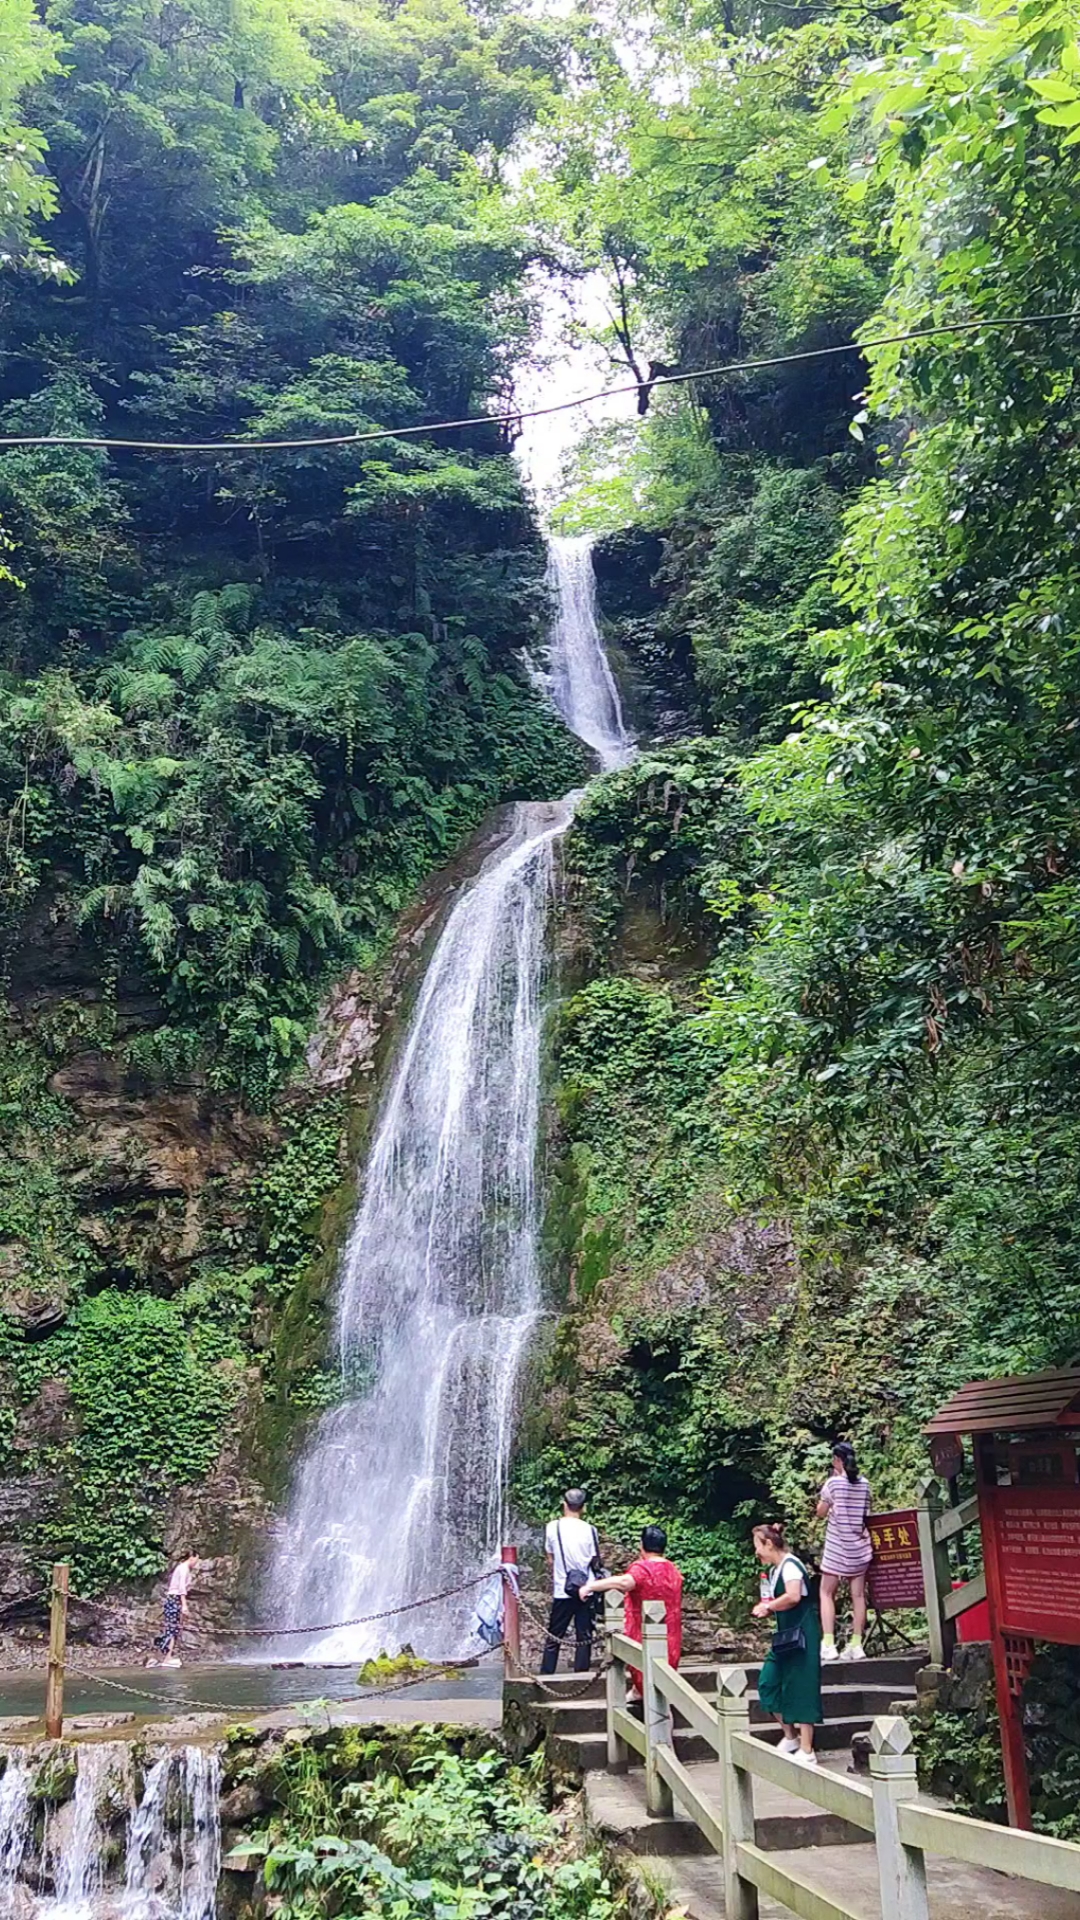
(736, 1793)
(511, 1609)
(658, 1726)
(618, 1753)
(937, 1574)
(54, 1685)
(901, 1869)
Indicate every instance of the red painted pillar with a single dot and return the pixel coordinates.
(1013, 1652)
(511, 1609)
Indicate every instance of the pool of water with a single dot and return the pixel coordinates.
(240, 1687)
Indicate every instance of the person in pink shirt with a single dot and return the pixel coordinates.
(653, 1577)
(176, 1608)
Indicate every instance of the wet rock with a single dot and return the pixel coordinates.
(54, 1780)
(34, 1312)
(244, 1802)
(97, 1723)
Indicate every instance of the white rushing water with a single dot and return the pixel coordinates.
(14, 1827)
(400, 1492)
(171, 1871)
(100, 1855)
(582, 683)
(76, 1833)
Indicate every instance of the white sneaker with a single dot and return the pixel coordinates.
(828, 1654)
(806, 1759)
(852, 1653)
(788, 1746)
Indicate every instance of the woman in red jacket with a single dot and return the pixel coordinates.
(653, 1577)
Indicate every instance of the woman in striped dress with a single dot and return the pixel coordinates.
(845, 1504)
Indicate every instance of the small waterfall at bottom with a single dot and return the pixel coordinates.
(78, 1843)
(173, 1862)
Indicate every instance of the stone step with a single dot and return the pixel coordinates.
(615, 1804)
(590, 1715)
(894, 1671)
(586, 1751)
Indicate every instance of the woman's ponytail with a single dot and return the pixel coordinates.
(845, 1453)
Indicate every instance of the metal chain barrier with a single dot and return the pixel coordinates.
(326, 1626)
(443, 1668)
(539, 1679)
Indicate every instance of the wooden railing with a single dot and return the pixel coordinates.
(903, 1829)
(945, 1602)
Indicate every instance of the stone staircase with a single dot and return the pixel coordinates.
(574, 1726)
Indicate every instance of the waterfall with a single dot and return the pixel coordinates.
(400, 1491)
(173, 1843)
(76, 1833)
(14, 1827)
(582, 683)
(171, 1873)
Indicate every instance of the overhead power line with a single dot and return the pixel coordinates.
(104, 443)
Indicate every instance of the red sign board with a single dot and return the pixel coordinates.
(896, 1578)
(1036, 1533)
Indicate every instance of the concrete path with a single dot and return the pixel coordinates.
(849, 1875)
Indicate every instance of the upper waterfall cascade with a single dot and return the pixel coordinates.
(400, 1491)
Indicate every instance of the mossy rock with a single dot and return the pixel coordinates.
(54, 1781)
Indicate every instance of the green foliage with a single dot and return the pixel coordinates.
(959, 1757)
(146, 1418)
(249, 810)
(27, 51)
(442, 1835)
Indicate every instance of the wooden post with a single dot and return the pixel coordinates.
(901, 1869)
(618, 1753)
(511, 1609)
(54, 1685)
(736, 1794)
(658, 1726)
(937, 1574)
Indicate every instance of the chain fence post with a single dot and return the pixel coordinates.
(736, 1793)
(901, 1869)
(54, 1684)
(511, 1608)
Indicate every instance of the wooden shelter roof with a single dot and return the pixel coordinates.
(1023, 1401)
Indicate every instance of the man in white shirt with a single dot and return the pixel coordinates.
(572, 1551)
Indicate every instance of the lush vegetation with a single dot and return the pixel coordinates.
(248, 701)
(817, 1106)
(423, 1827)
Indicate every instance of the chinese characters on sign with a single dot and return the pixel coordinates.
(896, 1570)
(1037, 1533)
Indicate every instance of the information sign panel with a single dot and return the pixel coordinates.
(896, 1578)
(1036, 1537)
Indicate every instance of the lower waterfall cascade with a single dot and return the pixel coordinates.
(400, 1490)
(78, 1842)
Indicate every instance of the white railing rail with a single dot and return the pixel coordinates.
(903, 1828)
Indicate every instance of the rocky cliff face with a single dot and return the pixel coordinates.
(166, 1258)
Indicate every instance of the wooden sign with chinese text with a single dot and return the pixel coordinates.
(1034, 1537)
(896, 1578)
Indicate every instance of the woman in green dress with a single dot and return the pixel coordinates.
(790, 1683)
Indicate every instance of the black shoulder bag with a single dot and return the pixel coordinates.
(789, 1639)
